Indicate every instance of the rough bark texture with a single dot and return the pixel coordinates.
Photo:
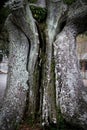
(41, 3)
(71, 93)
(24, 48)
(55, 11)
(15, 97)
(46, 91)
(23, 19)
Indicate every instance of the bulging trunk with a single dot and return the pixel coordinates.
(71, 93)
(15, 94)
(28, 53)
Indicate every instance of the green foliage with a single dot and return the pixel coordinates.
(32, 1)
(38, 13)
(69, 2)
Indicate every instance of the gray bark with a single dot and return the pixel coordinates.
(15, 95)
(41, 3)
(23, 19)
(49, 106)
(24, 48)
(71, 93)
(68, 93)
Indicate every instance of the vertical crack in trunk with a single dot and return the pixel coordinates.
(55, 12)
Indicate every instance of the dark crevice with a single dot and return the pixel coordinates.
(39, 95)
(37, 109)
(62, 25)
(2, 3)
(29, 47)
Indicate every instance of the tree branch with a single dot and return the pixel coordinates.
(77, 15)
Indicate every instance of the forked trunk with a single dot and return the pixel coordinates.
(30, 63)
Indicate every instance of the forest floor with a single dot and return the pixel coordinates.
(37, 127)
(28, 127)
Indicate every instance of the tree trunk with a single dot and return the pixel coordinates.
(55, 12)
(15, 95)
(71, 93)
(24, 20)
(52, 85)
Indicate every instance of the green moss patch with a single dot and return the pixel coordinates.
(69, 2)
(32, 1)
(38, 13)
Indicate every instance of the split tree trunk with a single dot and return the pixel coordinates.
(69, 93)
(55, 12)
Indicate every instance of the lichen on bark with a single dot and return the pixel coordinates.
(46, 59)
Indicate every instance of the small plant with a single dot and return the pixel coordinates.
(38, 13)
